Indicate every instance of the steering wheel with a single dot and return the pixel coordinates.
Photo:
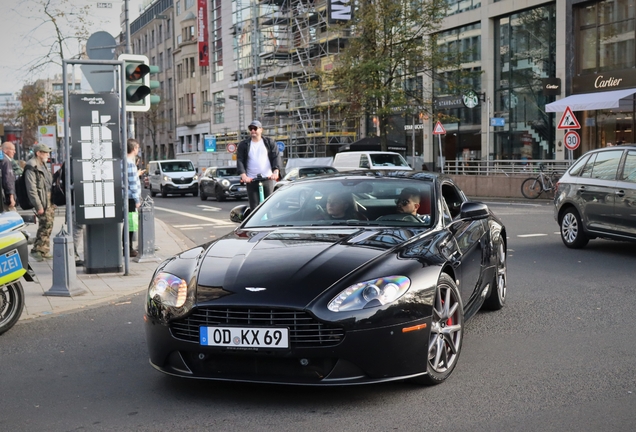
(407, 217)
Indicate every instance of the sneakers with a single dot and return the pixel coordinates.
(39, 256)
(133, 253)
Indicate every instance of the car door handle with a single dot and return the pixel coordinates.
(620, 193)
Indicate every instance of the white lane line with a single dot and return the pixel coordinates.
(531, 235)
(192, 228)
(215, 222)
(194, 225)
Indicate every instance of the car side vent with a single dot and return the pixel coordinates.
(304, 330)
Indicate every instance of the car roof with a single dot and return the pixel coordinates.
(415, 175)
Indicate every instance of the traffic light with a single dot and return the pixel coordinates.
(138, 83)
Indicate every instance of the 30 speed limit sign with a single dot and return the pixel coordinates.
(572, 140)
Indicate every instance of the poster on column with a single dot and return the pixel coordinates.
(96, 154)
(202, 33)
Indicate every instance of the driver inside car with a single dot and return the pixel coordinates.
(406, 206)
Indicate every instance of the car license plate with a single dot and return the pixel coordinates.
(10, 262)
(241, 188)
(245, 337)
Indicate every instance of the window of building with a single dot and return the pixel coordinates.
(161, 65)
(218, 104)
(459, 46)
(152, 38)
(168, 28)
(179, 73)
(605, 37)
(178, 7)
(192, 69)
(189, 4)
(171, 119)
(205, 101)
(217, 42)
(160, 32)
(526, 52)
(169, 58)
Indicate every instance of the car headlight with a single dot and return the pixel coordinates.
(225, 182)
(166, 178)
(373, 293)
(168, 289)
(195, 178)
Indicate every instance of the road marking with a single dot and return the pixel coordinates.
(531, 235)
(192, 228)
(215, 222)
(209, 208)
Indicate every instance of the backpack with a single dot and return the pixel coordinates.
(21, 192)
(58, 194)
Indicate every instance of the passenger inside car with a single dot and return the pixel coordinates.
(342, 206)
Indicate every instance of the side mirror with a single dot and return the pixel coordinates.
(157, 172)
(473, 210)
(239, 213)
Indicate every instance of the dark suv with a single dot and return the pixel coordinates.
(596, 197)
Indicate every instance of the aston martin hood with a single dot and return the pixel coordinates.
(290, 265)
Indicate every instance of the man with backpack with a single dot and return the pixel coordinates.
(38, 182)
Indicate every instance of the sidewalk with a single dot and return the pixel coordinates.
(101, 287)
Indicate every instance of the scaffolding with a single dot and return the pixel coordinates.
(286, 62)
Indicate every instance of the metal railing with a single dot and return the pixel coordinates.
(506, 167)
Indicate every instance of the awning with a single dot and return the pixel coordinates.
(590, 101)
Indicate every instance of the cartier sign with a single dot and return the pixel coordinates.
(604, 81)
(551, 86)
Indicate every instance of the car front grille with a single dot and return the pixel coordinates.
(235, 188)
(186, 180)
(304, 330)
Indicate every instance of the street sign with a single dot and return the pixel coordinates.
(568, 120)
(572, 140)
(281, 146)
(497, 121)
(439, 129)
(231, 147)
(209, 142)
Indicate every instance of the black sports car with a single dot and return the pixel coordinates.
(306, 292)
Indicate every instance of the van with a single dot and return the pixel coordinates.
(176, 176)
(370, 160)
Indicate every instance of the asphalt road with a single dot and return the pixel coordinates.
(559, 357)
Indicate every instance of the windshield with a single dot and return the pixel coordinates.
(383, 159)
(226, 172)
(177, 166)
(314, 171)
(346, 201)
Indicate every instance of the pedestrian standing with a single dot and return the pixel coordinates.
(134, 186)
(258, 155)
(8, 183)
(38, 181)
(8, 148)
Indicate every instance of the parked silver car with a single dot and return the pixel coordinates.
(596, 197)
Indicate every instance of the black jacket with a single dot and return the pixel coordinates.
(244, 149)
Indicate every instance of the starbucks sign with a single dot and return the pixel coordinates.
(471, 100)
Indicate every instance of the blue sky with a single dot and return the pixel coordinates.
(27, 38)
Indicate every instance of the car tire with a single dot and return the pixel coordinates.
(152, 192)
(11, 305)
(164, 192)
(203, 196)
(572, 229)
(195, 193)
(446, 333)
(219, 195)
(497, 298)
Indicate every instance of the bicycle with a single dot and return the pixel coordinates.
(533, 187)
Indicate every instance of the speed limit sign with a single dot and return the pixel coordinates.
(572, 140)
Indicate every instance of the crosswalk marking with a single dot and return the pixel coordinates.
(531, 235)
(212, 222)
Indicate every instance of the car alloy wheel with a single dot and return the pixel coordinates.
(11, 305)
(202, 195)
(446, 334)
(497, 297)
(572, 230)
